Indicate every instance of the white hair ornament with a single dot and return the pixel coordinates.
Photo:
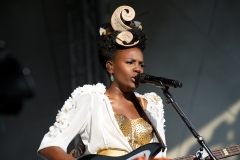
(121, 20)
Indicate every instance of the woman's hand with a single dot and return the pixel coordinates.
(54, 153)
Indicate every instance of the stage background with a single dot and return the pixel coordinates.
(194, 42)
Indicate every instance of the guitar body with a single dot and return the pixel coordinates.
(149, 150)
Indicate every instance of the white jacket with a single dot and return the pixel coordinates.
(88, 112)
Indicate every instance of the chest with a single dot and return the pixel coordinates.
(129, 109)
(137, 131)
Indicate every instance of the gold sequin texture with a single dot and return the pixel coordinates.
(137, 131)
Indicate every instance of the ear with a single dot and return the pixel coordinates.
(109, 66)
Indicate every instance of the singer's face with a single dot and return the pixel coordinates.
(126, 65)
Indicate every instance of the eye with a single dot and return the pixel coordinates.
(130, 62)
(142, 65)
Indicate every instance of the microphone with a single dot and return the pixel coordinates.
(159, 81)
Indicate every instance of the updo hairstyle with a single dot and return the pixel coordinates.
(120, 34)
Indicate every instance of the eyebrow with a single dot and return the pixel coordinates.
(134, 60)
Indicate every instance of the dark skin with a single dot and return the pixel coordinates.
(124, 67)
(54, 153)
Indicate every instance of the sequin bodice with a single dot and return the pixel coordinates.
(137, 131)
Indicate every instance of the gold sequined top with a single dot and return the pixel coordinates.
(137, 131)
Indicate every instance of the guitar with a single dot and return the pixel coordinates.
(152, 149)
(218, 153)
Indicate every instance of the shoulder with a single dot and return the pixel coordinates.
(151, 97)
(154, 104)
(95, 89)
(76, 104)
(98, 88)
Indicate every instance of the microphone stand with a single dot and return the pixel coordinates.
(204, 150)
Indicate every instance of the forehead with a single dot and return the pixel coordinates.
(133, 53)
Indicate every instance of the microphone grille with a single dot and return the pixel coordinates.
(140, 78)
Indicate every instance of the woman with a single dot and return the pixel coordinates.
(109, 121)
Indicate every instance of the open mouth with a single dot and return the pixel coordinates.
(133, 79)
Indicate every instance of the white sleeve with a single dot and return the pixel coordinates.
(155, 112)
(71, 120)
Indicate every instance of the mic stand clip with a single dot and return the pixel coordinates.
(201, 154)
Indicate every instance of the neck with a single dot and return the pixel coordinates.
(115, 92)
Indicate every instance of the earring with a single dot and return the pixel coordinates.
(111, 77)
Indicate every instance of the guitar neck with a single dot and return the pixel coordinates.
(218, 153)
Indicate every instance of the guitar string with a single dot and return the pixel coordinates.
(238, 148)
(233, 150)
(229, 150)
(217, 154)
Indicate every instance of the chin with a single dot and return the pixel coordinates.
(135, 86)
(129, 87)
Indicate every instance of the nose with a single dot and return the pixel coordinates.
(138, 69)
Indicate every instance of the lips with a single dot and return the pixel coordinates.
(134, 79)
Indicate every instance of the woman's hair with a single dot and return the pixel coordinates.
(107, 45)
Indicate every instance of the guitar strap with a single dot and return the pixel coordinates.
(143, 113)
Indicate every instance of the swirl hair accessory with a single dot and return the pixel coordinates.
(121, 21)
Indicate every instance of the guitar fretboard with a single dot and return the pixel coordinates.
(218, 153)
